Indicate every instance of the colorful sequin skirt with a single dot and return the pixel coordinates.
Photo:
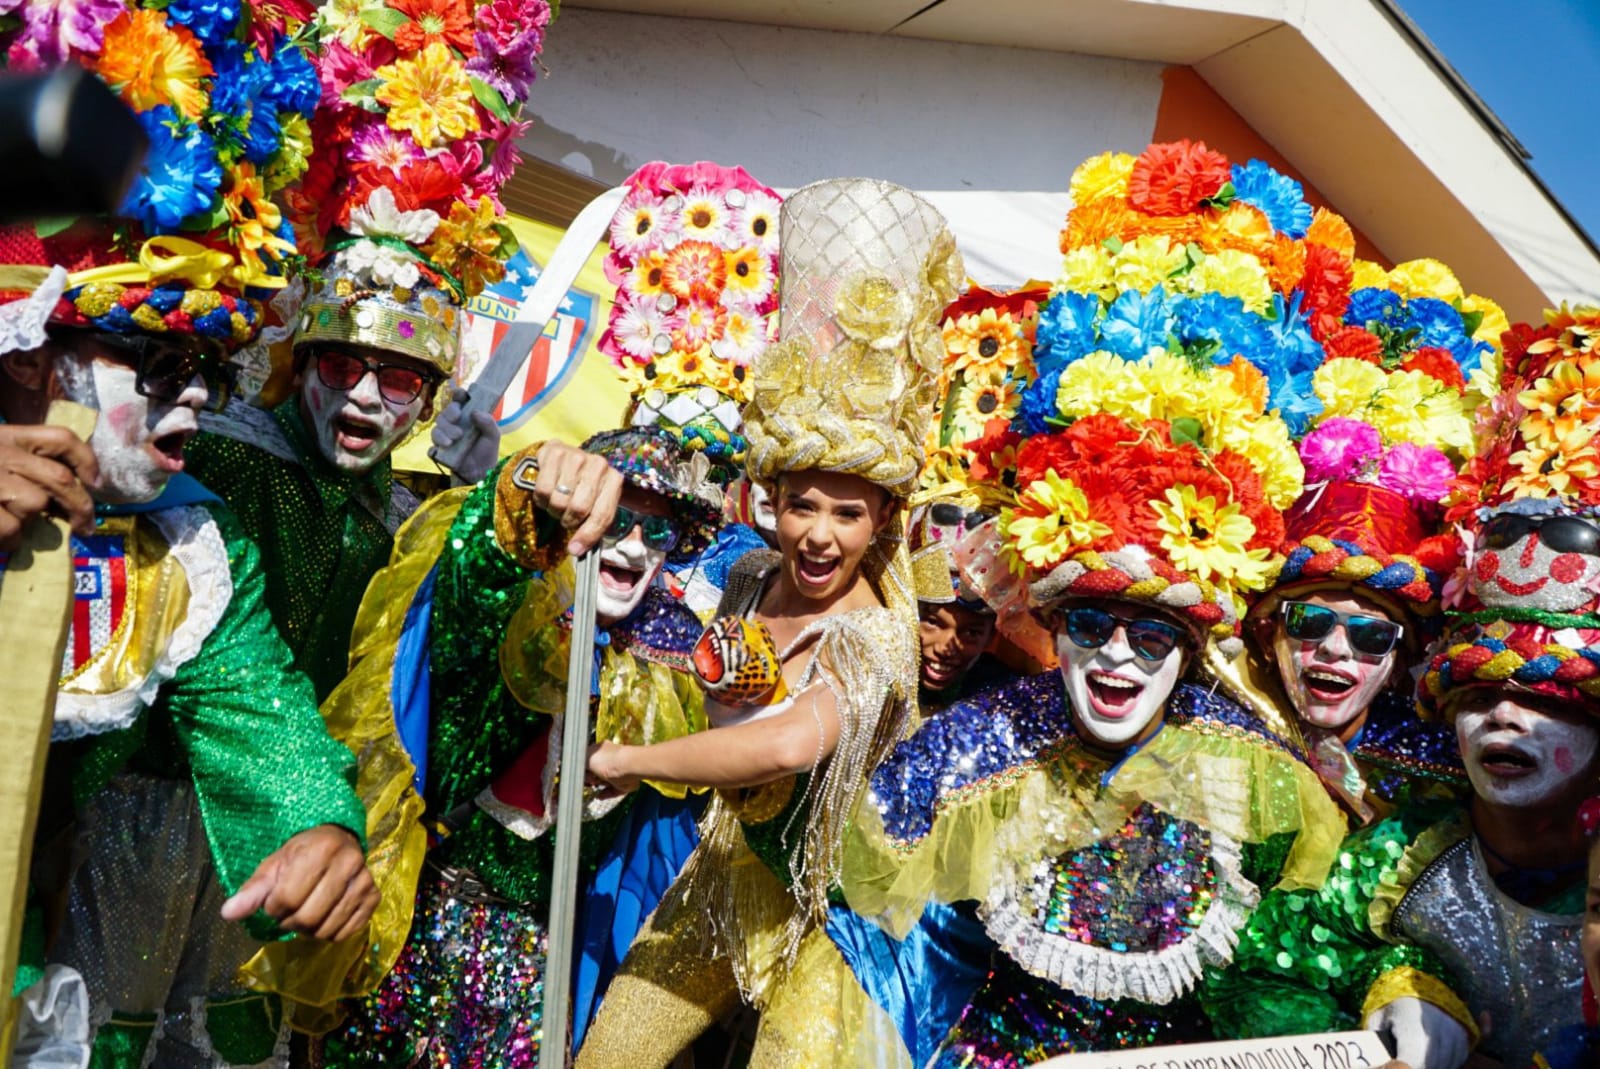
(466, 993)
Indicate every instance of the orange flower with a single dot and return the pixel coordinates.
(449, 21)
(468, 244)
(1241, 227)
(1092, 223)
(1437, 364)
(1354, 343)
(695, 269)
(1181, 229)
(1172, 179)
(253, 221)
(1285, 262)
(1332, 232)
(151, 62)
(1248, 382)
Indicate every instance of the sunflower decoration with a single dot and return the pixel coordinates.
(694, 256)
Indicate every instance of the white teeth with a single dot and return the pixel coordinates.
(1327, 677)
(1116, 683)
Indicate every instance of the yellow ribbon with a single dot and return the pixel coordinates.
(163, 258)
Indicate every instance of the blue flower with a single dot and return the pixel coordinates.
(181, 173)
(1038, 405)
(1371, 305)
(1279, 197)
(213, 21)
(1297, 403)
(1136, 323)
(242, 93)
(1223, 320)
(293, 85)
(1066, 330)
(1295, 351)
(1436, 322)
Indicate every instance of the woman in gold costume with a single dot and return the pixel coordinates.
(810, 666)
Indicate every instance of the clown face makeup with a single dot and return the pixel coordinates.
(627, 565)
(138, 440)
(358, 425)
(763, 512)
(1330, 682)
(1117, 695)
(1550, 563)
(1522, 757)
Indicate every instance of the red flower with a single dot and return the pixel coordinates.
(1355, 343)
(449, 21)
(990, 451)
(1114, 500)
(1042, 453)
(1519, 365)
(1436, 363)
(1326, 281)
(1172, 179)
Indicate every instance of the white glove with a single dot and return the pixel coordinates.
(447, 429)
(1423, 1035)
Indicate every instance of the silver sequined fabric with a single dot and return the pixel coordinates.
(1518, 965)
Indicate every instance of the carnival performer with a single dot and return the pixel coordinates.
(464, 641)
(694, 255)
(168, 822)
(809, 666)
(1578, 1045)
(1356, 601)
(955, 626)
(1051, 863)
(399, 252)
(1446, 925)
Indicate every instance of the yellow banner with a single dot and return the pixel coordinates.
(567, 388)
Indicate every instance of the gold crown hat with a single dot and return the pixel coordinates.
(867, 269)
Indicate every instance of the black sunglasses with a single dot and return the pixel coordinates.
(1564, 534)
(164, 367)
(400, 384)
(1092, 628)
(659, 531)
(1372, 635)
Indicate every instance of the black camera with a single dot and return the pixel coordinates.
(71, 147)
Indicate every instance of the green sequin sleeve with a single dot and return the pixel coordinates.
(1307, 958)
(264, 766)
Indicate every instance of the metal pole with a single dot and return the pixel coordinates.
(569, 818)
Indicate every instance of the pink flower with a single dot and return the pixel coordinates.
(503, 161)
(375, 142)
(505, 19)
(1420, 473)
(1339, 449)
(54, 29)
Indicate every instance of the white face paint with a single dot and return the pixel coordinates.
(1117, 695)
(1329, 682)
(137, 441)
(356, 428)
(1521, 757)
(628, 567)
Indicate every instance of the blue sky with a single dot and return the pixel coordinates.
(1536, 63)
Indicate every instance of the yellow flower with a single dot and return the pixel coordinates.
(1417, 408)
(1102, 381)
(1346, 387)
(1494, 322)
(1552, 468)
(467, 244)
(1105, 175)
(748, 275)
(1204, 540)
(985, 339)
(1566, 398)
(1425, 278)
(294, 152)
(1266, 444)
(1364, 274)
(429, 96)
(1087, 270)
(986, 393)
(1145, 262)
(342, 20)
(151, 62)
(1050, 520)
(253, 221)
(1235, 274)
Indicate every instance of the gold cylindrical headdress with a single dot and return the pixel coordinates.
(867, 269)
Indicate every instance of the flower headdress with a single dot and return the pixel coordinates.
(1402, 349)
(415, 136)
(694, 256)
(1151, 459)
(224, 92)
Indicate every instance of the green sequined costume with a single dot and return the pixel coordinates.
(323, 533)
(187, 750)
(1410, 910)
(466, 987)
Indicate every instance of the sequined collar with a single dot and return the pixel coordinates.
(334, 487)
(661, 629)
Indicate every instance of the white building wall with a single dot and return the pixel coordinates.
(959, 122)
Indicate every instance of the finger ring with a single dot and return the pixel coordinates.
(562, 488)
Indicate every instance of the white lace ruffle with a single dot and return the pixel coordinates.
(53, 1022)
(22, 322)
(198, 546)
(525, 825)
(1155, 977)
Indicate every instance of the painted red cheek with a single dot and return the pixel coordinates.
(316, 401)
(1564, 762)
(122, 418)
(1567, 568)
(1488, 565)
